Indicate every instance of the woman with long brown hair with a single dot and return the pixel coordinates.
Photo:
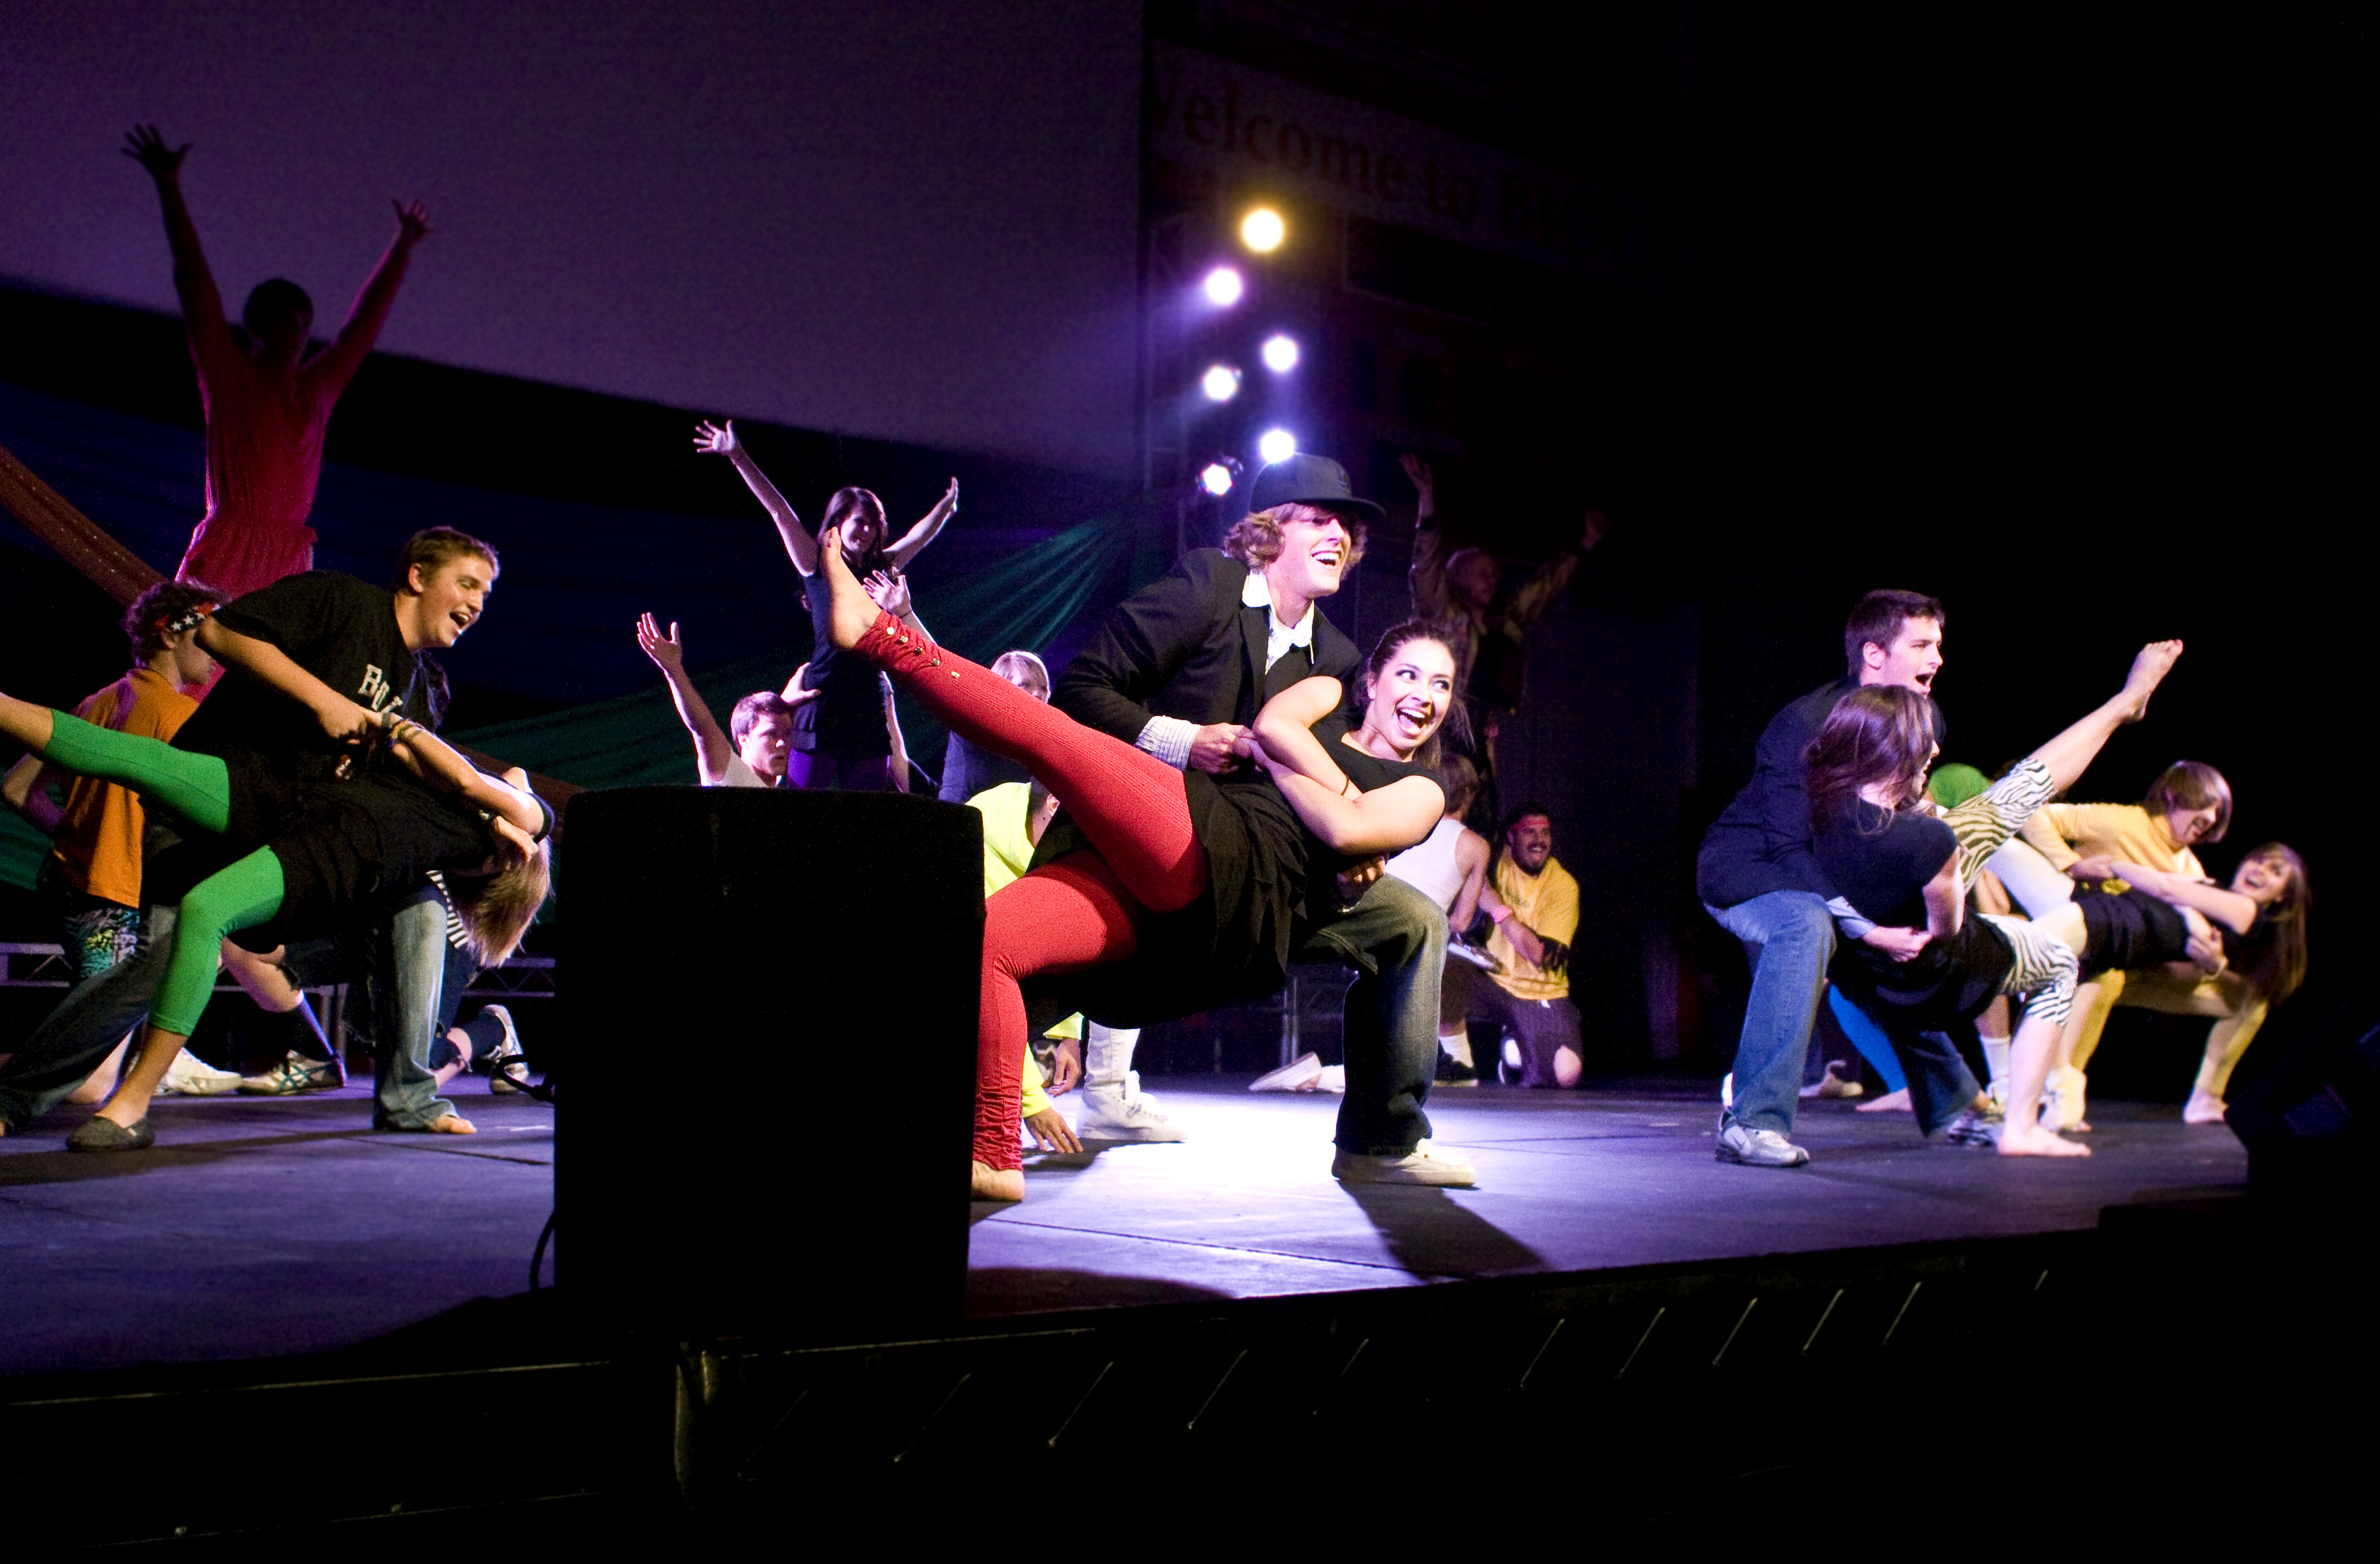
(1902, 863)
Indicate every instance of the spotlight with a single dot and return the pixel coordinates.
(1280, 353)
(1278, 445)
(1223, 286)
(1215, 479)
(1262, 230)
(1220, 383)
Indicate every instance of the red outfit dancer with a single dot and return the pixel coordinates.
(266, 410)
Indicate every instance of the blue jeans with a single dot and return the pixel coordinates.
(405, 975)
(72, 1039)
(1395, 938)
(1796, 936)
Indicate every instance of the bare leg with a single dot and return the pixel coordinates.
(2029, 1055)
(2225, 1043)
(102, 1081)
(141, 1074)
(2070, 752)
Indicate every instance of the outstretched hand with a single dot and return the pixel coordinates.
(1900, 944)
(667, 651)
(793, 694)
(2093, 867)
(889, 589)
(412, 222)
(350, 723)
(715, 440)
(1052, 1132)
(1425, 482)
(145, 146)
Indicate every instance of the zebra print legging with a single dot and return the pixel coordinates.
(2045, 966)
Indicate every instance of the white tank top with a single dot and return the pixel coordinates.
(1429, 866)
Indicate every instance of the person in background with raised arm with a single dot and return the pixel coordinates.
(267, 404)
(843, 739)
(751, 752)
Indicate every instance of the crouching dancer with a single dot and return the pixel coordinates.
(1887, 850)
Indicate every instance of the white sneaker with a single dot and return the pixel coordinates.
(506, 1071)
(1123, 1112)
(190, 1075)
(1420, 1166)
(1300, 1075)
(1757, 1148)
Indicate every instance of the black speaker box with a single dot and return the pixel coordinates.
(2312, 1121)
(770, 1000)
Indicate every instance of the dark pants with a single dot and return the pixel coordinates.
(1395, 938)
(1541, 1027)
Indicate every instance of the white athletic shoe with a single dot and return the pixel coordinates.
(190, 1075)
(1300, 1075)
(507, 1071)
(1113, 1112)
(1420, 1166)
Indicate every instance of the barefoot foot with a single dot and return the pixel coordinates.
(453, 1124)
(2149, 669)
(996, 1183)
(1891, 1102)
(853, 611)
(2033, 1141)
(2203, 1108)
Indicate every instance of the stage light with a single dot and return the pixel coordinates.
(1262, 230)
(1223, 286)
(1280, 353)
(1220, 383)
(1278, 445)
(1215, 479)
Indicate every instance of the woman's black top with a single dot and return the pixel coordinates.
(2131, 928)
(348, 849)
(847, 719)
(1881, 862)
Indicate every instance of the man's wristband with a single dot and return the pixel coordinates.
(1500, 916)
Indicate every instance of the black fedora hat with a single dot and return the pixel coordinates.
(1308, 481)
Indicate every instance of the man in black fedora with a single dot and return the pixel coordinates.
(1180, 670)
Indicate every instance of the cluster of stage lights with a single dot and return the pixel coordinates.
(1262, 231)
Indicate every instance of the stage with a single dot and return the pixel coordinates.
(269, 1227)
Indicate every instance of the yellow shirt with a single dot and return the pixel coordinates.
(1547, 902)
(2063, 832)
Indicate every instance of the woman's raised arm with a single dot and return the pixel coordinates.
(719, 440)
(910, 542)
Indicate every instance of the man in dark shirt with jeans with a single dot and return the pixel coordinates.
(1757, 877)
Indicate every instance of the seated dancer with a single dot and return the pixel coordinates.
(268, 405)
(94, 868)
(331, 854)
(843, 739)
(1527, 999)
(1898, 862)
(760, 734)
(1186, 872)
(2260, 924)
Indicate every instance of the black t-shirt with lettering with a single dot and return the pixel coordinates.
(1881, 861)
(339, 629)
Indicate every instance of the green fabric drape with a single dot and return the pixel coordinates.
(1025, 601)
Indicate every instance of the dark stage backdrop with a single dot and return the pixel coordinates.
(907, 219)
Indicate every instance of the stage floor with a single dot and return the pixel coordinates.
(266, 1227)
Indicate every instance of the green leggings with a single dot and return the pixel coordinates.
(198, 788)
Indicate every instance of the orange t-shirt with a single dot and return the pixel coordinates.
(99, 839)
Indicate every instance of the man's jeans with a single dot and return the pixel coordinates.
(1395, 938)
(1796, 937)
(72, 1039)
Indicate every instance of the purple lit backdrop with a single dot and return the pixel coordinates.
(913, 221)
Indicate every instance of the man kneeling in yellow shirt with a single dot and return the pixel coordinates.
(1529, 999)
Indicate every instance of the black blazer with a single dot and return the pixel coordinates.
(1184, 646)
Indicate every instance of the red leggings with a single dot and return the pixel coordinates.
(1084, 910)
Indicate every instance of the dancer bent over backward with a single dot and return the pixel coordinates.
(1878, 843)
(1182, 866)
(342, 850)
